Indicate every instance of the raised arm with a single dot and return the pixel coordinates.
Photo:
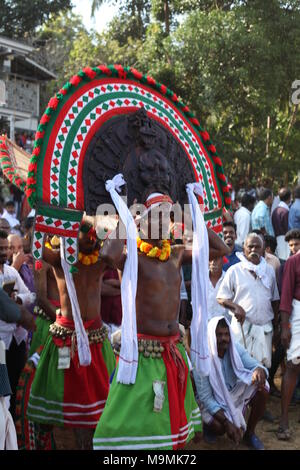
(113, 249)
(217, 247)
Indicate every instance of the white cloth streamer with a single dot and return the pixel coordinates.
(200, 282)
(84, 352)
(128, 359)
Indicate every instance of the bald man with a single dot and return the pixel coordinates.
(249, 290)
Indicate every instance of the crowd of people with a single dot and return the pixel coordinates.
(255, 288)
(63, 389)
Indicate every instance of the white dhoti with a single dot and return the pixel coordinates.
(283, 249)
(8, 436)
(241, 395)
(258, 339)
(293, 353)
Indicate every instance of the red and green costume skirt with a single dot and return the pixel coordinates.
(30, 435)
(129, 420)
(43, 323)
(73, 397)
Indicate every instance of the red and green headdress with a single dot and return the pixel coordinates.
(87, 103)
(14, 162)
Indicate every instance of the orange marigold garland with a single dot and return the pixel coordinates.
(87, 260)
(163, 253)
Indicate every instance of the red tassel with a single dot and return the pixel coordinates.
(75, 80)
(62, 91)
(36, 151)
(39, 135)
(38, 265)
(212, 148)
(217, 161)
(53, 102)
(44, 119)
(151, 80)
(89, 72)
(31, 180)
(136, 73)
(205, 135)
(104, 69)
(32, 167)
(29, 192)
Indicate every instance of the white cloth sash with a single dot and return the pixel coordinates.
(200, 284)
(128, 359)
(293, 352)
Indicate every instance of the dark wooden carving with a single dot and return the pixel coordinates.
(147, 154)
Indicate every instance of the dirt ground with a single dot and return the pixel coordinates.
(266, 431)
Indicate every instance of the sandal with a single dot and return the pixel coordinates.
(283, 434)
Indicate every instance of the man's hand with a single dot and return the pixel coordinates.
(236, 309)
(239, 313)
(285, 337)
(19, 259)
(259, 377)
(27, 320)
(233, 432)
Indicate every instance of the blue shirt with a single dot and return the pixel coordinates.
(260, 218)
(294, 215)
(204, 390)
(232, 258)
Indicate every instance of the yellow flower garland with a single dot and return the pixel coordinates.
(87, 260)
(163, 254)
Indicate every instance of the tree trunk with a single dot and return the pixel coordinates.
(268, 136)
(167, 17)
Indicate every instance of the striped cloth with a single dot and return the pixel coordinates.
(129, 420)
(73, 397)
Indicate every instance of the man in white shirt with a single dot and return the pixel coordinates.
(13, 336)
(251, 286)
(11, 218)
(216, 275)
(242, 218)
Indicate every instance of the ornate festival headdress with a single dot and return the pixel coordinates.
(74, 155)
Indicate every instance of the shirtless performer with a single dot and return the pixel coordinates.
(159, 410)
(64, 393)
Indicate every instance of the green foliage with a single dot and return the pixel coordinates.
(233, 62)
(19, 18)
